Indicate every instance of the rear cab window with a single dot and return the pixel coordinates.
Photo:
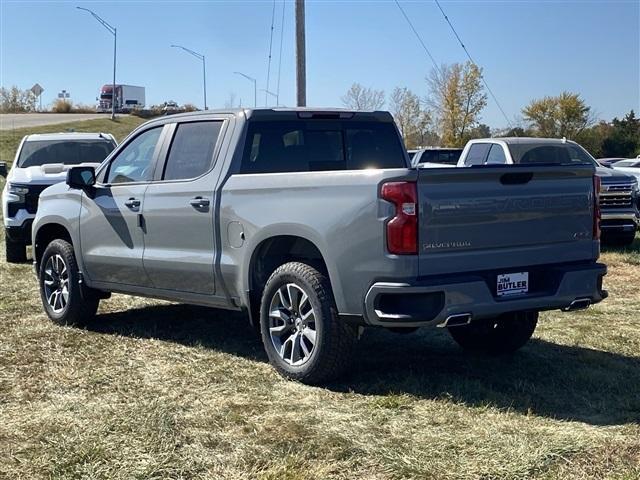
(321, 145)
(559, 153)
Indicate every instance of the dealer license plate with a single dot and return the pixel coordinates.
(512, 283)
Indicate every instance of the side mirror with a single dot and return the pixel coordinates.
(81, 177)
(3, 169)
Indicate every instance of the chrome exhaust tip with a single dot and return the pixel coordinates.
(578, 304)
(456, 320)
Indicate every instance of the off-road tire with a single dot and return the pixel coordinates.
(15, 252)
(82, 302)
(335, 339)
(504, 334)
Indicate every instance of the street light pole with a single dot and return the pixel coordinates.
(255, 87)
(267, 92)
(113, 32)
(204, 70)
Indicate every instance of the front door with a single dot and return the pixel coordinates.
(111, 230)
(179, 211)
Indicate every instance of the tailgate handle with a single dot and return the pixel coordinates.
(517, 178)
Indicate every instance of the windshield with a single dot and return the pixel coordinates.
(68, 152)
(557, 153)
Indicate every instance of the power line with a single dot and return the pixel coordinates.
(435, 64)
(284, 3)
(484, 81)
(273, 17)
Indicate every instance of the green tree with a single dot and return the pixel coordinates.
(359, 97)
(624, 137)
(566, 115)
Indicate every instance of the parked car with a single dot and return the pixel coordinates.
(313, 223)
(170, 107)
(436, 157)
(607, 162)
(40, 161)
(630, 167)
(619, 195)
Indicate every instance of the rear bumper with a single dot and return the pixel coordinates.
(431, 303)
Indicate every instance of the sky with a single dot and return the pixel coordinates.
(527, 49)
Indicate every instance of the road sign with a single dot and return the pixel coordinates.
(64, 94)
(37, 89)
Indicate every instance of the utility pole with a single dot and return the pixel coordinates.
(301, 56)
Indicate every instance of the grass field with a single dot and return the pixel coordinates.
(120, 128)
(158, 390)
(153, 390)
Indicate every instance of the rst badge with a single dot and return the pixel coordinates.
(512, 283)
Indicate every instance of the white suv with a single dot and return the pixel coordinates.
(41, 161)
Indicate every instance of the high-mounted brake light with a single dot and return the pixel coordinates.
(402, 229)
(597, 214)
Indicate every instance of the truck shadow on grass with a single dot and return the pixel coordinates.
(557, 381)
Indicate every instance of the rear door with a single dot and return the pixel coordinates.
(180, 246)
(496, 217)
(111, 233)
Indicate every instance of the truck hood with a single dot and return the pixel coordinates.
(43, 174)
(609, 175)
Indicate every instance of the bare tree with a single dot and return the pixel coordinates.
(14, 100)
(457, 95)
(413, 120)
(363, 98)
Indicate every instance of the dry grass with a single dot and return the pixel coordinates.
(161, 391)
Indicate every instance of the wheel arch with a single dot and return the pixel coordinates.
(44, 235)
(271, 252)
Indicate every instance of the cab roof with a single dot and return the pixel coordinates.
(68, 136)
(287, 114)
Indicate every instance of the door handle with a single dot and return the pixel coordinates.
(132, 203)
(199, 202)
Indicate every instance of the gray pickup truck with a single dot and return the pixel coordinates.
(313, 223)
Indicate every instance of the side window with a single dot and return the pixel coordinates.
(135, 162)
(477, 154)
(191, 151)
(496, 155)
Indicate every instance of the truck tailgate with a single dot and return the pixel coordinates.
(490, 218)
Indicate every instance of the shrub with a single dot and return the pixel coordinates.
(14, 100)
(62, 106)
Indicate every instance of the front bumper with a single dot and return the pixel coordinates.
(618, 222)
(20, 234)
(433, 302)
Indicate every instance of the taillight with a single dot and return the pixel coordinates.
(402, 229)
(596, 207)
